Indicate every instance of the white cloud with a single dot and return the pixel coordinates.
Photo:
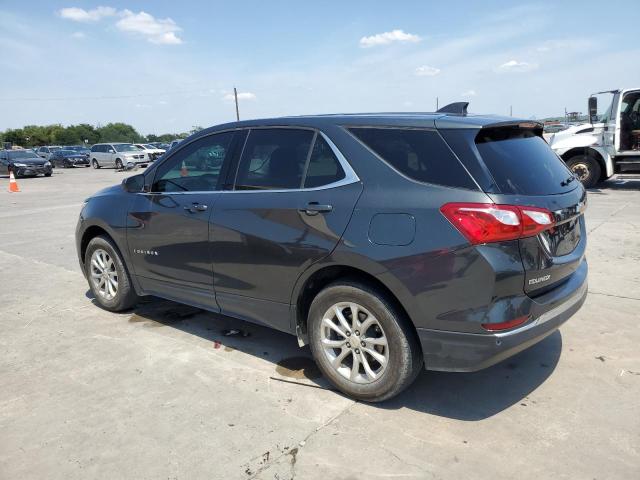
(160, 31)
(81, 15)
(427, 71)
(387, 38)
(78, 35)
(468, 93)
(241, 96)
(515, 66)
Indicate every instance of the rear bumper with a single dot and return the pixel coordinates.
(467, 352)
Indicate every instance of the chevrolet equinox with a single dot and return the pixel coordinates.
(387, 242)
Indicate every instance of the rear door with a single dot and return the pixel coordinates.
(168, 236)
(521, 169)
(292, 198)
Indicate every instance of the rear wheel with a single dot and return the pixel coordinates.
(107, 275)
(586, 169)
(362, 343)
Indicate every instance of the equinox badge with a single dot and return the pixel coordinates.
(534, 281)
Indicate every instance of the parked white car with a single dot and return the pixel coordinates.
(117, 155)
(152, 152)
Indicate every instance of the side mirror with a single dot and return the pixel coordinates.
(593, 109)
(134, 184)
(111, 150)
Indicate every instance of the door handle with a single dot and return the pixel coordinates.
(196, 207)
(314, 208)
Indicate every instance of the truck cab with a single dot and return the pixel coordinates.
(609, 143)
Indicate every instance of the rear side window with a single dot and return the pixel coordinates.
(522, 163)
(274, 159)
(421, 155)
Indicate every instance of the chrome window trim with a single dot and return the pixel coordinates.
(350, 176)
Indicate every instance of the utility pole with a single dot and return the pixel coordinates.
(511, 110)
(437, 104)
(235, 94)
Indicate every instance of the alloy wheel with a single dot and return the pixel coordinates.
(104, 275)
(354, 342)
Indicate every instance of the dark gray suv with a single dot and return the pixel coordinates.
(385, 241)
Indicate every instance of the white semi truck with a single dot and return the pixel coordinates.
(609, 143)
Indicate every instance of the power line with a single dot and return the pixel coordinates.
(102, 97)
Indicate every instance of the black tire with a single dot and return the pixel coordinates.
(125, 296)
(119, 165)
(47, 174)
(586, 168)
(405, 360)
(95, 164)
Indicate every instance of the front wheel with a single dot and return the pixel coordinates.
(107, 275)
(362, 343)
(47, 174)
(95, 164)
(586, 169)
(119, 164)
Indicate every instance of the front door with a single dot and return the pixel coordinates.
(291, 203)
(168, 228)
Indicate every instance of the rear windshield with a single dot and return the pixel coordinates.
(522, 163)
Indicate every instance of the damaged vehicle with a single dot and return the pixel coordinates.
(389, 243)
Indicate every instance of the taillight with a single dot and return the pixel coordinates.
(496, 327)
(488, 222)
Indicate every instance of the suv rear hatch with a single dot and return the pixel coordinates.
(515, 166)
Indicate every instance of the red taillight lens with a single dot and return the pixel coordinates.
(535, 220)
(495, 327)
(488, 222)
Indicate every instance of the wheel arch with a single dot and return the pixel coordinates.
(308, 288)
(592, 153)
(96, 230)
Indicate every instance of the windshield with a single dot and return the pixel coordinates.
(22, 154)
(125, 147)
(150, 147)
(67, 152)
(605, 106)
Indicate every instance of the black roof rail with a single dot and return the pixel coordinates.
(457, 107)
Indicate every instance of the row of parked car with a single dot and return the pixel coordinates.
(41, 160)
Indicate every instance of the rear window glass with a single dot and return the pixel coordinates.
(522, 163)
(421, 155)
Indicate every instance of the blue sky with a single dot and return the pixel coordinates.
(166, 66)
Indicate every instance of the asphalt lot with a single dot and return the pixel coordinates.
(162, 392)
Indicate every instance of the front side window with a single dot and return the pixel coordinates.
(197, 167)
(274, 159)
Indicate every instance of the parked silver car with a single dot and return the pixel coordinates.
(45, 152)
(117, 155)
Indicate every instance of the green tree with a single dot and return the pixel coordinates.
(119, 132)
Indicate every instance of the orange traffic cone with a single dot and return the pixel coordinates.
(13, 185)
(183, 171)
